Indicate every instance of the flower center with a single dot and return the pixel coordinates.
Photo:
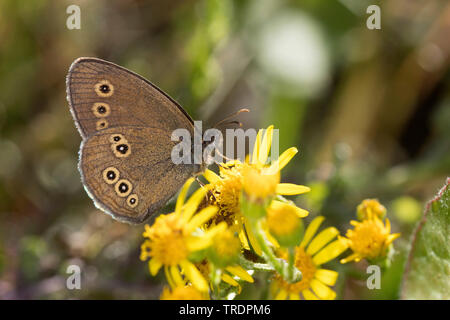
(226, 196)
(282, 221)
(167, 243)
(226, 244)
(258, 183)
(368, 238)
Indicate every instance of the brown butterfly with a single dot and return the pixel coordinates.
(126, 124)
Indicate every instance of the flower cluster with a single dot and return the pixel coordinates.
(240, 224)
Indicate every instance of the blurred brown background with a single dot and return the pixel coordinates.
(369, 111)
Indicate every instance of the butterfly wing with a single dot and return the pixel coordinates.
(108, 101)
(104, 95)
(128, 171)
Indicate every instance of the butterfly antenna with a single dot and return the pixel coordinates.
(238, 123)
(231, 116)
(222, 155)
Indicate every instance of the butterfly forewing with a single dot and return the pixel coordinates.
(127, 99)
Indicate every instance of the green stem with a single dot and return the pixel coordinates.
(255, 266)
(291, 267)
(289, 273)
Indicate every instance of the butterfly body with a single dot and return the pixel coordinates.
(126, 125)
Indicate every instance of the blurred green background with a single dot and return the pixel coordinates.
(369, 111)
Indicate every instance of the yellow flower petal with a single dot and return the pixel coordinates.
(169, 277)
(228, 279)
(388, 226)
(154, 265)
(182, 195)
(146, 233)
(328, 277)
(191, 205)
(281, 295)
(265, 146)
(294, 296)
(321, 290)
(212, 231)
(211, 176)
(243, 239)
(194, 276)
(301, 213)
(308, 295)
(290, 189)
(276, 205)
(283, 160)
(331, 251)
(195, 243)
(252, 239)
(200, 218)
(352, 257)
(391, 238)
(176, 276)
(322, 239)
(256, 147)
(240, 272)
(311, 230)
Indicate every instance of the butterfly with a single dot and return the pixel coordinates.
(126, 124)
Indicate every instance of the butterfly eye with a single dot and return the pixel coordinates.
(101, 124)
(101, 110)
(121, 150)
(104, 88)
(111, 175)
(132, 200)
(123, 188)
(114, 138)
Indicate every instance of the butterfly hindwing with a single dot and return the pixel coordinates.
(128, 171)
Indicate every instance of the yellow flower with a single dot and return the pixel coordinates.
(285, 225)
(309, 256)
(174, 237)
(183, 293)
(225, 248)
(226, 188)
(369, 239)
(258, 183)
(370, 207)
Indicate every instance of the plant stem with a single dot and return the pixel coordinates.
(287, 271)
(255, 266)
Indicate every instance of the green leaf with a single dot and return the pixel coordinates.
(427, 273)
